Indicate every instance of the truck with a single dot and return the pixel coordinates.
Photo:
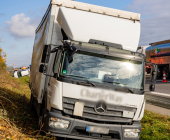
(87, 80)
(159, 53)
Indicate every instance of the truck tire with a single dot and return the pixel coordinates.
(43, 113)
(41, 119)
(166, 70)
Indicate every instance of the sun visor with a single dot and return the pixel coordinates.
(84, 26)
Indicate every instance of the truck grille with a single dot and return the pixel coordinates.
(112, 115)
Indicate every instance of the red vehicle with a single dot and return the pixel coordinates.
(148, 68)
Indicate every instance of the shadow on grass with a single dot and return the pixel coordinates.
(23, 117)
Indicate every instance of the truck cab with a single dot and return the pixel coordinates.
(99, 94)
(87, 80)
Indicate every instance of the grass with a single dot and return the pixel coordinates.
(155, 127)
(18, 122)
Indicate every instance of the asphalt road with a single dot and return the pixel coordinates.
(159, 87)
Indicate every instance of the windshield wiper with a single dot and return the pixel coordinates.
(88, 82)
(130, 90)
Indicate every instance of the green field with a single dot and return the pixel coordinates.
(17, 121)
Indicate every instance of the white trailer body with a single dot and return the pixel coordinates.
(93, 30)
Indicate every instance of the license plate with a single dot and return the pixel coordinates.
(98, 130)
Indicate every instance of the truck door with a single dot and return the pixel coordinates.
(50, 81)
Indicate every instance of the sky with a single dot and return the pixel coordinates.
(19, 19)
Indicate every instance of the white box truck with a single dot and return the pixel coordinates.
(87, 81)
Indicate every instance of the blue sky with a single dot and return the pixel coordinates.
(19, 19)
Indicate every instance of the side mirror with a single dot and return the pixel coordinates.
(46, 54)
(70, 54)
(153, 77)
(41, 68)
(45, 59)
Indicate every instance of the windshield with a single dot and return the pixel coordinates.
(104, 69)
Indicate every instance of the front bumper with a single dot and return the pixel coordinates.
(77, 129)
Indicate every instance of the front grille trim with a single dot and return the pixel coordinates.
(113, 114)
(119, 113)
(100, 117)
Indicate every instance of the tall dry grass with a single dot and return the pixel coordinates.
(17, 121)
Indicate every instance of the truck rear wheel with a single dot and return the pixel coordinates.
(166, 70)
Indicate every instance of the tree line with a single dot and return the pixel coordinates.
(2, 60)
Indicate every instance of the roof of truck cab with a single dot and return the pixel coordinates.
(97, 9)
(108, 50)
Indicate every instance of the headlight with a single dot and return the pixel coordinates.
(131, 133)
(59, 123)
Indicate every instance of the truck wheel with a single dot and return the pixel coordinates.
(42, 115)
(41, 119)
(166, 70)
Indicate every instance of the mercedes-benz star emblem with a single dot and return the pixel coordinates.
(101, 107)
